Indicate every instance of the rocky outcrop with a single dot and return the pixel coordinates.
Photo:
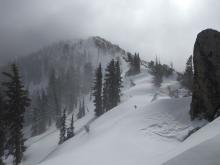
(206, 81)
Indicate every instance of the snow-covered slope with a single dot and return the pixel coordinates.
(202, 148)
(138, 131)
(206, 153)
(42, 146)
(143, 129)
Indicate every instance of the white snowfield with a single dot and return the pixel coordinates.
(137, 132)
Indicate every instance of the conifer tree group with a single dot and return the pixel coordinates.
(12, 111)
(70, 130)
(158, 74)
(159, 71)
(63, 127)
(97, 91)
(66, 132)
(109, 87)
(118, 83)
(135, 64)
(107, 94)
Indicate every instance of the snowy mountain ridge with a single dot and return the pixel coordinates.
(60, 56)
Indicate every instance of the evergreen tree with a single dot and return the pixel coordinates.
(137, 63)
(159, 71)
(70, 130)
(109, 87)
(130, 59)
(112, 86)
(118, 83)
(16, 102)
(188, 74)
(63, 127)
(97, 91)
(2, 129)
(158, 77)
(156, 70)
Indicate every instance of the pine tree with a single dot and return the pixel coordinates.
(112, 85)
(16, 102)
(129, 56)
(70, 130)
(2, 129)
(97, 91)
(118, 83)
(159, 71)
(109, 87)
(137, 63)
(156, 71)
(188, 74)
(63, 127)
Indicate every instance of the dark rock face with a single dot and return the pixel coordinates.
(206, 81)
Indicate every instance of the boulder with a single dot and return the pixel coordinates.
(206, 79)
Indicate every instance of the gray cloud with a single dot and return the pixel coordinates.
(152, 27)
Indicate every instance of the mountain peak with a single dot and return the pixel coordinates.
(102, 43)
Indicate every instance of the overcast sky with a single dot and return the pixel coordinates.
(166, 28)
